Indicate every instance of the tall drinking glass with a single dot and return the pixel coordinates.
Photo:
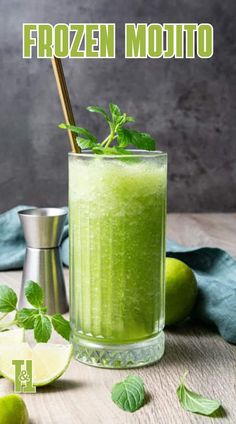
(117, 214)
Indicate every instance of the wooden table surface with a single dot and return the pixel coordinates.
(83, 394)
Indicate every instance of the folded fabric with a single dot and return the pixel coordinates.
(215, 271)
(214, 268)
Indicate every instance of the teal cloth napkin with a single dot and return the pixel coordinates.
(214, 268)
(215, 271)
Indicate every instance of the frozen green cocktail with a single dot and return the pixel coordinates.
(117, 211)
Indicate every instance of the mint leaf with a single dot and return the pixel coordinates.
(100, 150)
(42, 328)
(122, 120)
(129, 394)
(115, 111)
(26, 317)
(115, 150)
(195, 402)
(61, 325)
(79, 130)
(8, 299)
(130, 119)
(99, 110)
(85, 143)
(124, 137)
(34, 294)
(121, 151)
(138, 139)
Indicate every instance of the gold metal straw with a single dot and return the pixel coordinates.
(65, 101)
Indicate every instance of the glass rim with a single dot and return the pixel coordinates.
(136, 153)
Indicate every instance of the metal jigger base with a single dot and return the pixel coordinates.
(44, 267)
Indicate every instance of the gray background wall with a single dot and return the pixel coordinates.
(187, 105)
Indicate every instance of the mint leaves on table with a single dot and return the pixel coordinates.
(35, 318)
(129, 394)
(194, 402)
(122, 137)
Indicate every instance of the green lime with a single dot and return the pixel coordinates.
(13, 410)
(181, 290)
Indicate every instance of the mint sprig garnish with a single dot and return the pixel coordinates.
(118, 138)
(194, 402)
(35, 318)
(129, 394)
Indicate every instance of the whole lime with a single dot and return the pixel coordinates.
(13, 410)
(181, 290)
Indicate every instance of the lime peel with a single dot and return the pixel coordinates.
(13, 410)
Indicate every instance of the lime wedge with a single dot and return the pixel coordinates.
(49, 361)
(12, 336)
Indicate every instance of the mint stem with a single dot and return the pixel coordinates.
(105, 141)
(112, 136)
(110, 139)
(183, 378)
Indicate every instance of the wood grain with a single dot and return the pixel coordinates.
(82, 395)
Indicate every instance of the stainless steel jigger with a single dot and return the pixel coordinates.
(43, 231)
